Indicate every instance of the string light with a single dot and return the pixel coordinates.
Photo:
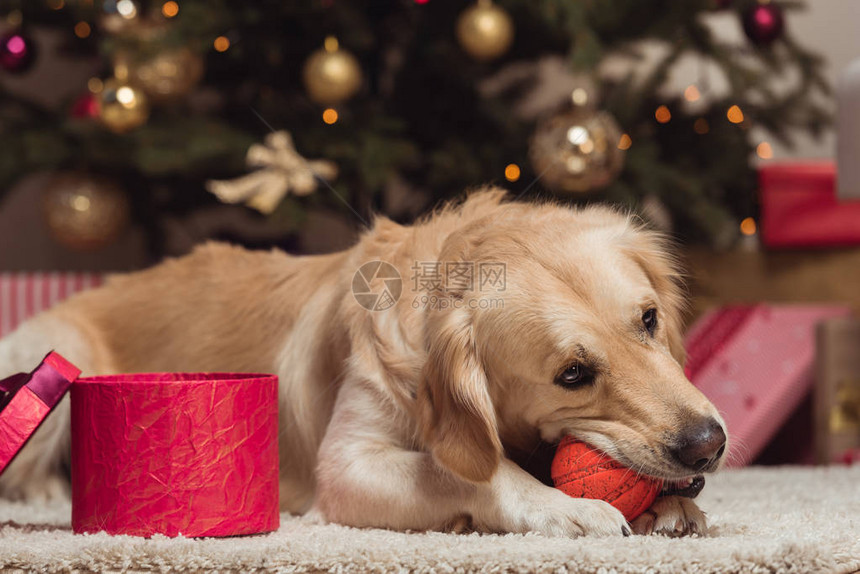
(170, 9)
(221, 44)
(701, 126)
(329, 116)
(82, 29)
(748, 226)
(56, 4)
(764, 150)
(663, 114)
(512, 172)
(625, 142)
(691, 94)
(735, 115)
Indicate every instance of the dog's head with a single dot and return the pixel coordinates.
(584, 340)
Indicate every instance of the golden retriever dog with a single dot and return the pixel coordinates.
(409, 415)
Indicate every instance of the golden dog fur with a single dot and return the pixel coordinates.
(407, 418)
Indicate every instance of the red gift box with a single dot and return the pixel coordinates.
(190, 454)
(178, 454)
(755, 364)
(799, 207)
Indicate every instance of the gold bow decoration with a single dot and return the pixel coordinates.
(281, 171)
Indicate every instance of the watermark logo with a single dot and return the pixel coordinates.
(377, 285)
(439, 285)
(460, 276)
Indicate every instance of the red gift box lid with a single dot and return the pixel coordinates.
(26, 399)
(815, 176)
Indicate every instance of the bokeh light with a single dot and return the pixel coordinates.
(170, 9)
(125, 96)
(512, 172)
(82, 30)
(331, 44)
(126, 9)
(221, 44)
(735, 114)
(95, 85)
(764, 150)
(329, 116)
(692, 94)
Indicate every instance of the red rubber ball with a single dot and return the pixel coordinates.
(583, 472)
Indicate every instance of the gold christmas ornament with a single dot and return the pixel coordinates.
(331, 75)
(119, 16)
(282, 170)
(84, 212)
(167, 75)
(122, 106)
(485, 31)
(577, 151)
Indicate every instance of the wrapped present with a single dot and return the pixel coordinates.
(175, 454)
(26, 399)
(755, 363)
(837, 391)
(23, 295)
(799, 207)
(178, 454)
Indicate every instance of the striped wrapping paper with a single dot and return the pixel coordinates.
(23, 295)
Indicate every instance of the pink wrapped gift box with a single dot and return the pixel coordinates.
(178, 454)
(755, 364)
(175, 454)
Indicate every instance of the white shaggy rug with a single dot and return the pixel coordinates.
(761, 520)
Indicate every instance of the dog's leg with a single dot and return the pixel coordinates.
(365, 478)
(37, 471)
(671, 516)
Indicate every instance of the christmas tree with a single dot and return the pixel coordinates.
(401, 104)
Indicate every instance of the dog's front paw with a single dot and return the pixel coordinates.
(562, 515)
(671, 516)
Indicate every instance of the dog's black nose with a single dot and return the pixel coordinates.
(701, 445)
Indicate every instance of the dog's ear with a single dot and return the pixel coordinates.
(455, 409)
(654, 253)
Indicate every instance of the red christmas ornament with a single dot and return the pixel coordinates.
(583, 472)
(17, 52)
(763, 24)
(86, 106)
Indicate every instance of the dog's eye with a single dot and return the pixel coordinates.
(574, 376)
(649, 319)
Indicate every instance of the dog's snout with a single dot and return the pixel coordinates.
(701, 445)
